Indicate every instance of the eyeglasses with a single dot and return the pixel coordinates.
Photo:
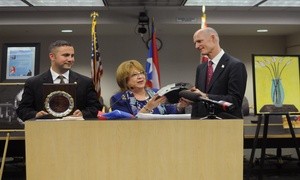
(134, 75)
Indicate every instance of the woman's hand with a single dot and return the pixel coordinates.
(155, 101)
(182, 103)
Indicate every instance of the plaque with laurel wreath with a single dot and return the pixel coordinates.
(59, 99)
(59, 103)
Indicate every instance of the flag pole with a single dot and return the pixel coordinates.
(96, 64)
(203, 18)
(94, 15)
(203, 58)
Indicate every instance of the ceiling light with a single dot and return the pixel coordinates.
(66, 30)
(280, 3)
(12, 3)
(222, 2)
(66, 3)
(262, 30)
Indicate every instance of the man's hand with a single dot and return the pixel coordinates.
(40, 114)
(202, 94)
(77, 113)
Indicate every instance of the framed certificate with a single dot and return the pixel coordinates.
(19, 61)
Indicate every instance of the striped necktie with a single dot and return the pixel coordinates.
(61, 77)
(209, 73)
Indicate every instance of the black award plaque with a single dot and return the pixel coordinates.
(59, 99)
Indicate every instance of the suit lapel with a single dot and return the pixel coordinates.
(47, 77)
(72, 77)
(202, 76)
(219, 69)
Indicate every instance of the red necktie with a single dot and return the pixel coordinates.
(209, 73)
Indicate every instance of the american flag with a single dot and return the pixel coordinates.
(152, 65)
(96, 63)
(203, 58)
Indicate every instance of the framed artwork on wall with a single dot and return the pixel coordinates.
(19, 61)
(276, 83)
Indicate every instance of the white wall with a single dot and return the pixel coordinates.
(178, 58)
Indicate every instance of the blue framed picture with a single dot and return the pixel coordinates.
(20, 61)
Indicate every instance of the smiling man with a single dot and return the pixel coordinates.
(222, 78)
(61, 56)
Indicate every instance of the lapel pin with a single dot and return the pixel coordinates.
(222, 66)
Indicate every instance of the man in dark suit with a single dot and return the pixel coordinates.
(229, 76)
(62, 58)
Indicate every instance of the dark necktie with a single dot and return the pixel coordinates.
(61, 77)
(209, 73)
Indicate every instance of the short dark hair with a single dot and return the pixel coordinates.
(59, 43)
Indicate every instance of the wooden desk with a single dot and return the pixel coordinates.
(127, 150)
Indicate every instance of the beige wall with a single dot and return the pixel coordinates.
(178, 58)
(293, 44)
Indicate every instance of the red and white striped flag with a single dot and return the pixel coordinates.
(96, 63)
(152, 65)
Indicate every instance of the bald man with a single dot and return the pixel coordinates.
(229, 76)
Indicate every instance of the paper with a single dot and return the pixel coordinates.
(72, 118)
(162, 116)
(67, 118)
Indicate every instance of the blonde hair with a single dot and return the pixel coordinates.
(124, 70)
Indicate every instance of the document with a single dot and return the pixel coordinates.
(67, 118)
(160, 116)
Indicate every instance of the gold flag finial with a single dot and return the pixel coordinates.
(203, 18)
(94, 14)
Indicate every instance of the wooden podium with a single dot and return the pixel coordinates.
(134, 149)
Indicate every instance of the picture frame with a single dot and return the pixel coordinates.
(19, 61)
(276, 83)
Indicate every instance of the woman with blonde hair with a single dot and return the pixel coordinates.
(134, 97)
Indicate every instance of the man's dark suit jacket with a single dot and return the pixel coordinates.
(228, 84)
(33, 102)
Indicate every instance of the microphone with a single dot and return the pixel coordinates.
(225, 106)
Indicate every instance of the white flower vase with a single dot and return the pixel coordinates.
(277, 92)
